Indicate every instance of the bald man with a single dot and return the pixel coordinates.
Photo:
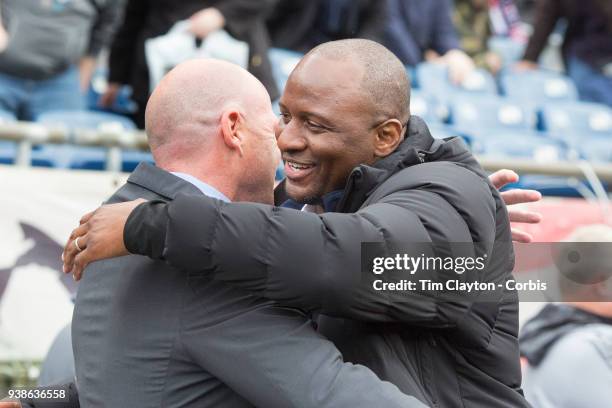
(149, 335)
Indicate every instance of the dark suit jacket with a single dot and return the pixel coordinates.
(149, 335)
(144, 19)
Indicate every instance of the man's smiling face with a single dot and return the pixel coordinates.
(326, 126)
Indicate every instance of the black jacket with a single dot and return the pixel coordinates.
(144, 19)
(448, 352)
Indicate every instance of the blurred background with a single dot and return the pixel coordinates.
(527, 85)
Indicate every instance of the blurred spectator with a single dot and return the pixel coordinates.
(420, 30)
(144, 19)
(301, 25)
(48, 50)
(587, 44)
(471, 19)
(477, 21)
(568, 346)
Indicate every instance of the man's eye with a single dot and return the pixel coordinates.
(314, 126)
(285, 117)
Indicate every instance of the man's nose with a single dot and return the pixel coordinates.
(289, 138)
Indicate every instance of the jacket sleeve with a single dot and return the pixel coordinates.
(314, 261)
(546, 16)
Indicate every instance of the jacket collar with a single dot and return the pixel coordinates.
(418, 146)
(161, 182)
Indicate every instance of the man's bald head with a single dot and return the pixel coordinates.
(384, 77)
(187, 104)
(213, 120)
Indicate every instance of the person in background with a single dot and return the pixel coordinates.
(477, 21)
(568, 346)
(303, 24)
(422, 30)
(144, 19)
(48, 52)
(471, 19)
(587, 44)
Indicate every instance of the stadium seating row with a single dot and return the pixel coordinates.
(533, 115)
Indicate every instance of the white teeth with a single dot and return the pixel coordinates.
(297, 166)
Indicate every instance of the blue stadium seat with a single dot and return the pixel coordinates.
(123, 103)
(538, 87)
(520, 144)
(576, 121)
(508, 49)
(79, 157)
(412, 75)
(283, 62)
(132, 158)
(553, 186)
(427, 107)
(433, 79)
(597, 150)
(6, 117)
(86, 120)
(8, 151)
(440, 131)
(481, 113)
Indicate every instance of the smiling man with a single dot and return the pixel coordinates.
(361, 169)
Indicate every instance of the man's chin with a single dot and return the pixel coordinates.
(301, 195)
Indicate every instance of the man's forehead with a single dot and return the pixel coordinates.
(325, 81)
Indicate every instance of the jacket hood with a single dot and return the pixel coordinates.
(552, 323)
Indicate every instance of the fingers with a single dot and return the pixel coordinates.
(525, 217)
(71, 250)
(80, 263)
(10, 404)
(503, 177)
(520, 196)
(86, 217)
(521, 236)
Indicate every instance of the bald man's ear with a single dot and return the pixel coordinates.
(232, 126)
(389, 135)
